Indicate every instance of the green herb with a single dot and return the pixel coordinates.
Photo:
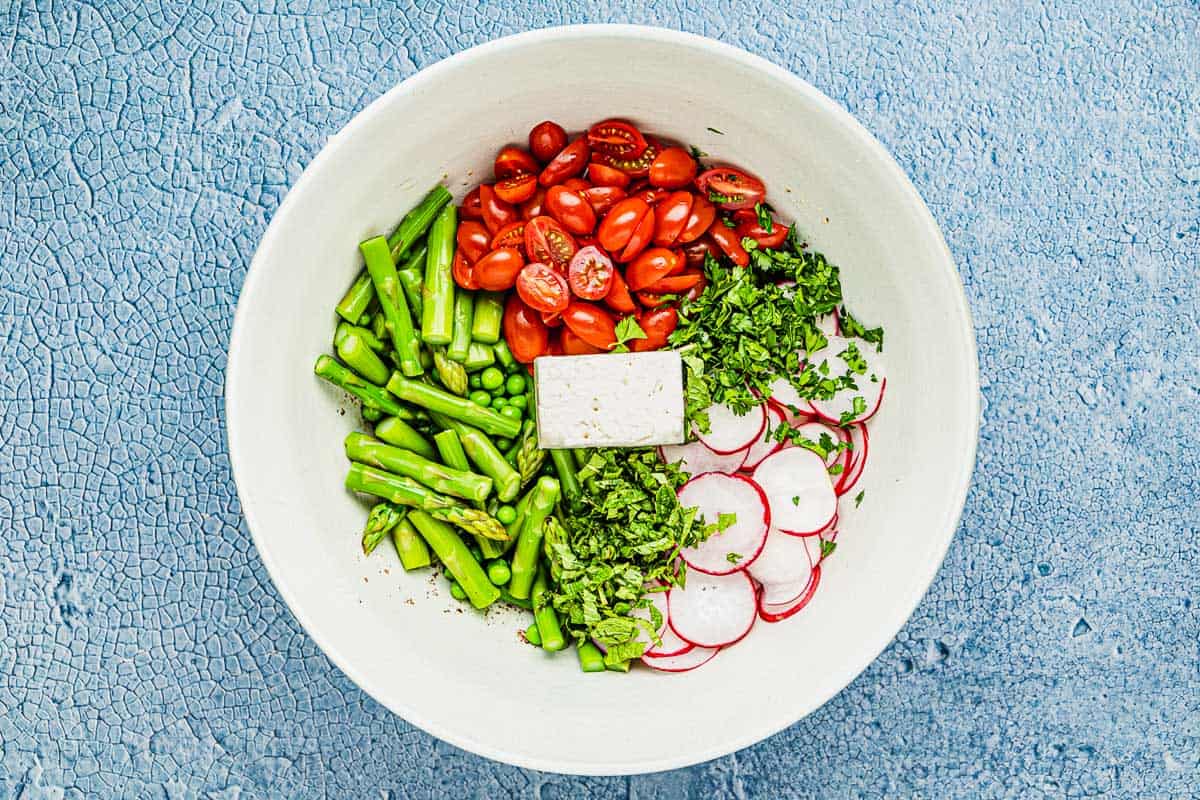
(714, 130)
(851, 327)
(765, 220)
(795, 499)
(718, 198)
(733, 558)
(858, 498)
(853, 359)
(836, 469)
(827, 548)
(627, 330)
(858, 406)
(697, 153)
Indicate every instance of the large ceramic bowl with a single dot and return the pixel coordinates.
(462, 676)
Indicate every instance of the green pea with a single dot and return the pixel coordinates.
(473, 381)
(515, 384)
(506, 514)
(498, 572)
(512, 412)
(519, 401)
(499, 402)
(457, 592)
(491, 378)
(502, 444)
(480, 398)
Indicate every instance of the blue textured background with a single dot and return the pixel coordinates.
(143, 650)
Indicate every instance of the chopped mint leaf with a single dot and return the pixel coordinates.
(827, 548)
(858, 498)
(836, 469)
(795, 499)
(724, 521)
(733, 558)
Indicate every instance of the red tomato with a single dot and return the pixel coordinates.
(517, 189)
(653, 196)
(641, 237)
(498, 270)
(572, 345)
(703, 214)
(670, 218)
(729, 242)
(616, 137)
(675, 284)
(552, 319)
(512, 161)
(571, 209)
(464, 273)
(470, 206)
(650, 266)
(658, 325)
(524, 330)
(548, 242)
(759, 234)
(697, 290)
(673, 168)
(554, 347)
(542, 288)
(567, 164)
(619, 298)
(590, 274)
(694, 252)
(585, 241)
(602, 175)
(496, 212)
(621, 223)
(473, 240)
(511, 235)
(633, 167)
(602, 198)
(533, 207)
(651, 300)
(737, 189)
(576, 184)
(546, 140)
(744, 215)
(591, 323)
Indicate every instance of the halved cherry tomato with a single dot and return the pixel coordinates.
(546, 140)
(759, 234)
(548, 242)
(511, 235)
(602, 198)
(616, 137)
(552, 319)
(498, 270)
(619, 298)
(473, 240)
(512, 161)
(572, 345)
(694, 252)
(533, 206)
(670, 218)
(470, 206)
(590, 274)
(517, 189)
(571, 209)
(621, 222)
(633, 167)
(703, 214)
(602, 175)
(675, 284)
(729, 242)
(585, 241)
(591, 323)
(542, 288)
(567, 164)
(697, 290)
(650, 266)
(524, 330)
(641, 237)
(658, 325)
(576, 184)
(651, 300)
(737, 189)
(652, 195)
(496, 212)
(464, 273)
(673, 168)
(744, 215)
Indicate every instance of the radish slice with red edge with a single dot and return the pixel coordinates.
(799, 490)
(860, 443)
(671, 644)
(765, 445)
(659, 601)
(681, 662)
(776, 612)
(726, 551)
(713, 610)
(783, 593)
(696, 459)
(729, 432)
(814, 431)
(784, 559)
(870, 385)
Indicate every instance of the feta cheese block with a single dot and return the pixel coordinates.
(609, 400)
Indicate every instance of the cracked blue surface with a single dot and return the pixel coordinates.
(143, 649)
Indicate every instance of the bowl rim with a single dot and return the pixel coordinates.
(650, 35)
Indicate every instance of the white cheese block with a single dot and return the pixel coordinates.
(609, 400)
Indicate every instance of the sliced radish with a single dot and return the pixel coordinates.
(860, 443)
(713, 610)
(714, 493)
(671, 644)
(775, 612)
(730, 432)
(764, 445)
(798, 489)
(695, 458)
(783, 593)
(785, 396)
(681, 662)
(870, 385)
(813, 431)
(829, 325)
(784, 559)
(659, 601)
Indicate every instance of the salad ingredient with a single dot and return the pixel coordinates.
(778, 612)
(765, 444)
(517, 189)
(473, 240)
(442, 402)
(381, 519)
(658, 325)
(618, 297)
(569, 162)
(731, 188)
(524, 332)
(399, 433)
(601, 175)
(544, 616)
(673, 168)
(486, 457)
(512, 161)
(542, 500)
(498, 270)
(454, 555)
(862, 388)
(713, 610)
(736, 506)
(437, 294)
(783, 561)
(353, 349)
(371, 395)
(543, 288)
(486, 318)
(546, 140)
(860, 444)
(798, 489)
(571, 209)
(591, 323)
(615, 137)
(671, 216)
(496, 212)
(407, 492)
(547, 242)
(460, 337)
(411, 548)
(393, 302)
(730, 243)
(590, 274)
(694, 458)
(416, 222)
(467, 485)
(360, 294)
(621, 223)
(590, 657)
(730, 432)
(633, 166)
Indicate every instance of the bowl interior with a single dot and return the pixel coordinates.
(464, 676)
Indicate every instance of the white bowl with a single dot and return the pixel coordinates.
(463, 677)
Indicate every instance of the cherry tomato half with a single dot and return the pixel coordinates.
(634, 167)
(673, 168)
(498, 270)
(694, 252)
(735, 188)
(590, 274)
(567, 164)
(546, 140)
(703, 214)
(552, 319)
(533, 207)
(470, 206)
(671, 217)
(517, 189)
(653, 196)
(616, 137)
(651, 300)
(591, 323)
(758, 233)
(548, 242)
(542, 288)
(602, 175)
(641, 237)
(464, 273)
(619, 298)
(675, 284)
(650, 266)
(729, 242)
(697, 290)
(571, 209)
(473, 240)
(621, 222)
(512, 161)
(524, 330)
(496, 212)
(658, 325)
(572, 345)
(602, 198)
(554, 346)
(511, 235)
(575, 184)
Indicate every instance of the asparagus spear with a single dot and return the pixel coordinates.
(368, 336)
(370, 414)
(457, 558)
(357, 298)
(383, 517)
(489, 312)
(564, 467)
(505, 356)
(545, 616)
(411, 548)
(395, 306)
(451, 450)
(484, 455)
(369, 393)
(437, 295)
(459, 408)
(411, 281)
(532, 636)
(464, 313)
(407, 492)
(529, 542)
(452, 374)
(399, 433)
(467, 485)
(417, 221)
(530, 457)
(478, 357)
(358, 355)
(590, 657)
(553, 534)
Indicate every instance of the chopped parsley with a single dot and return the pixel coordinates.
(836, 469)
(697, 153)
(628, 329)
(718, 198)
(858, 498)
(827, 548)
(765, 220)
(795, 499)
(734, 558)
